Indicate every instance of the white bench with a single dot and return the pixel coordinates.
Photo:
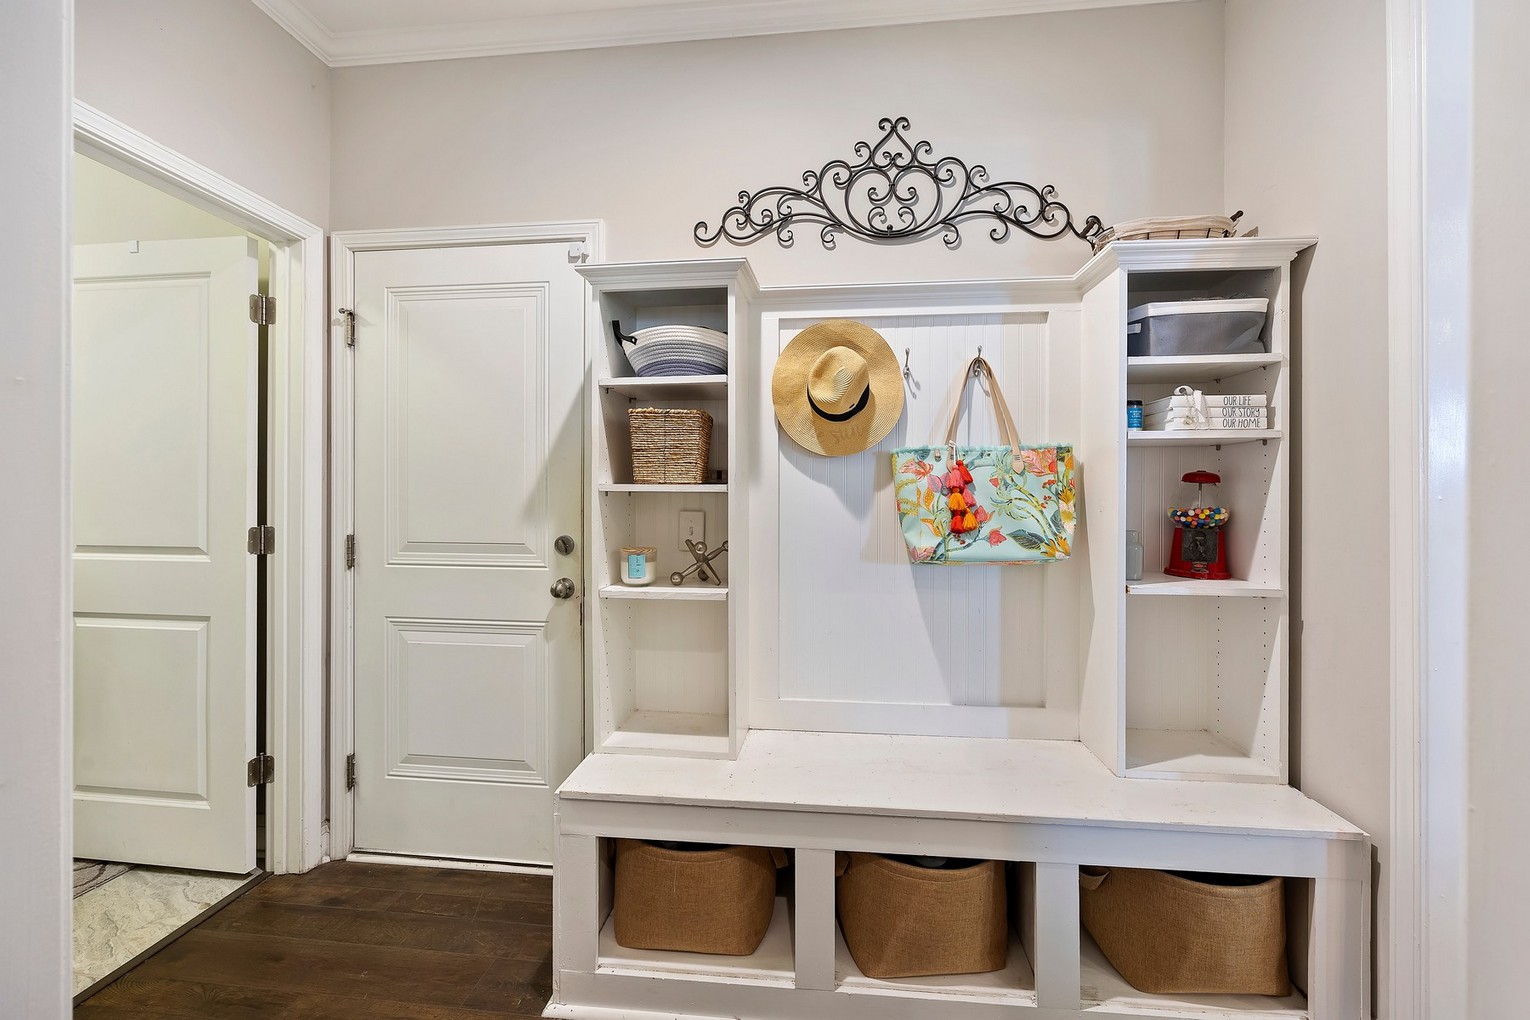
(1049, 804)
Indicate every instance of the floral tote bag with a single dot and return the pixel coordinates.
(985, 504)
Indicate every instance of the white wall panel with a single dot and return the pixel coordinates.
(680, 657)
(35, 72)
(858, 622)
(1170, 660)
(1250, 644)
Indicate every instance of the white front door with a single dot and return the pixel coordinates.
(164, 462)
(469, 370)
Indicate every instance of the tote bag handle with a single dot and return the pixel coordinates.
(1011, 436)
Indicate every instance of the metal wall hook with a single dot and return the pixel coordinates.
(977, 372)
(908, 373)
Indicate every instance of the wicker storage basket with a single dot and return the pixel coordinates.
(694, 901)
(1169, 933)
(669, 444)
(901, 920)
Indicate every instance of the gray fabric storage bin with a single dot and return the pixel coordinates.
(1168, 328)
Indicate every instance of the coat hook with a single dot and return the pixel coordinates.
(977, 372)
(908, 373)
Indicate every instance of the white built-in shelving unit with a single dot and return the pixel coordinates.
(1191, 677)
(665, 659)
(959, 711)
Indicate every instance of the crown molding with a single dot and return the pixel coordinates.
(660, 23)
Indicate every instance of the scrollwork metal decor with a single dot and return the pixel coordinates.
(897, 193)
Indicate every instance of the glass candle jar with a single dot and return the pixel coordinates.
(1133, 556)
(638, 565)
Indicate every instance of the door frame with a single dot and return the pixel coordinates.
(295, 617)
(342, 266)
(1429, 163)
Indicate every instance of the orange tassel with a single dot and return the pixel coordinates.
(957, 502)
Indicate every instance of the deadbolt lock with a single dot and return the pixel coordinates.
(564, 544)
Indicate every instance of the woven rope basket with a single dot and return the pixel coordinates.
(901, 920)
(694, 901)
(669, 445)
(1169, 934)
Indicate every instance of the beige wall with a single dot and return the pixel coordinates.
(217, 81)
(110, 206)
(1306, 154)
(652, 139)
(1496, 543)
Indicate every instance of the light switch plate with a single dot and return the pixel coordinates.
(693, 526)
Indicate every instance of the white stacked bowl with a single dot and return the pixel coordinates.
(678, 350)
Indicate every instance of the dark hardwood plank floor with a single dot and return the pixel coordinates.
(353, 942)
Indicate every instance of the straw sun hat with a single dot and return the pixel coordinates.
(837, 388)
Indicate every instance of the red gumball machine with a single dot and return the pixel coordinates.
(1198, 548)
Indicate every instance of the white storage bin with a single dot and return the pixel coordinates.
(1167, 328)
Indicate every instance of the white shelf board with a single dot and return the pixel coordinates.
(1195, 368)
(689, 734)
(1191, 754)
(1015, 985)
(662, 591)
(948, 777)
(771, 964)
(669, 487)
(1102, 986)
(1164, 584)
(1199, 437)
(669, 387)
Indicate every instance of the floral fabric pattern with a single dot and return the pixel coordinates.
(1004, 511)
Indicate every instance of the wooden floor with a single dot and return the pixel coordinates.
(353, 942)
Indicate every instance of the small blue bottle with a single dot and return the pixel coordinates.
(1134, 415)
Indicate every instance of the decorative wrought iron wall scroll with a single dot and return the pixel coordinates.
(897, 193)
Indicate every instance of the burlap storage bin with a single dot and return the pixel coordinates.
(901, 920)
(1170, 934)
(694, 901)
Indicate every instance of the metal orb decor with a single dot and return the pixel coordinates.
(897, 193)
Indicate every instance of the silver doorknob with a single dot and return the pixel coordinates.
(563, 588)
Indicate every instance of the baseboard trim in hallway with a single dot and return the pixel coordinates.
(404, 861)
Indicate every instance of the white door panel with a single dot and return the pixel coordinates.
(469, 368)
(164, 458)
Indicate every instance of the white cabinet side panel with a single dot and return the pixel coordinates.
(1102, 466)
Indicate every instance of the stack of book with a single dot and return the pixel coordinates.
(1206, 411)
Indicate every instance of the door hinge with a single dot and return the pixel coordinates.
(260, 770)
(350, 552)
(350, 772)
(350, 326)
(262, 540)
(262, 310)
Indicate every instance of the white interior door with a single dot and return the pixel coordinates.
(164, 462)
(469, 369)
